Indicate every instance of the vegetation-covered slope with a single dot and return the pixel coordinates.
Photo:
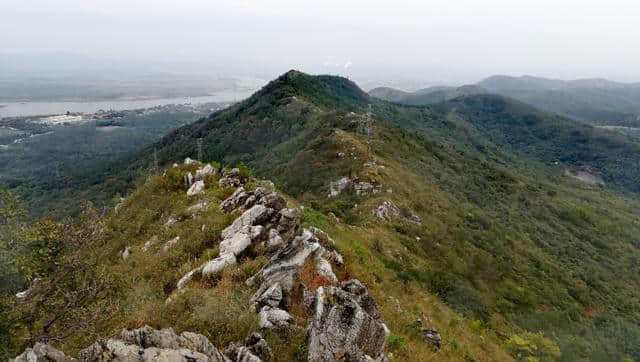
(596, 101)
(450, 214)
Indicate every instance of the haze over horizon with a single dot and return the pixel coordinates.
(434, 42)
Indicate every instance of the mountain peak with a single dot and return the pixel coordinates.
(321, 90)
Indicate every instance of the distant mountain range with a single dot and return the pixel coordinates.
(596, 101)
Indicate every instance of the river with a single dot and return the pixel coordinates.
(23, 109)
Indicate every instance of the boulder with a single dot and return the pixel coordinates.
(188, 179)
(346, 325)
(189, 161)
(255, 349)
(271, 297)
(202, 172)
(42, 353)
(238, 242)
(274, 318)
(432, 336)
(257, 215)
(218, 264)
(336, 187)
(196, 188)
(234, 201)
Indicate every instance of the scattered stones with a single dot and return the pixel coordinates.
(196, 188)
(336, 187)
(366, 187)
(388, 211)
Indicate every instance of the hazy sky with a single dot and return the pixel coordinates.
(441, 40)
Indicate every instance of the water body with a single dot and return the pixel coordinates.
(23, 109)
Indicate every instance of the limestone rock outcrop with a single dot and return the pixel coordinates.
(346, 325)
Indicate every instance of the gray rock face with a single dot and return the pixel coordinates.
(148, 344)
(323, 269)
(196, 188)
(255, 349)
(247, 199)
(139, 345)
(346, 325)
(42, 353)
(202, 172)
(271, 297)
(23, 295)
(189, 161)
(336, 187)
(286, 263)
(273, 318)
(218, 264)
(257, 215)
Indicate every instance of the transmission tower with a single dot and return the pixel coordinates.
(200, 150)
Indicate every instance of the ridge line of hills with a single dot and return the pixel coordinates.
(471, 215)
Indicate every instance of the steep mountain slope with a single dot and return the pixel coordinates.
(451, 215)
(596, 101)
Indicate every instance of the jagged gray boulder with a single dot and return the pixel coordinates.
(346, 325)
(196, 188)
(286, 263)
(255, 349)
(42, 352)
(247, 199)
(273, 318)
(148, 344)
